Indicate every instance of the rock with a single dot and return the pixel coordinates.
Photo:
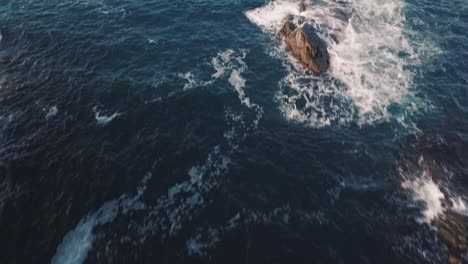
(448, 238)
(302, 7)
(452, 228)
(287, 29)
(335, 38)
(453, 233)
(454, 260)
(305, 45)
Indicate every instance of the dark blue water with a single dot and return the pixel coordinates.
(182, 132)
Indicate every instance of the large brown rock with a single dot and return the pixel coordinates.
(306, 46)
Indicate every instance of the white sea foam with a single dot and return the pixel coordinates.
(425, 190)
(53, 111)
(219, 62)
(438, 197)
(459, 205)
(371, 57)
(78, 242)
(183, 200)
(238, 83)
(191, 83)
(103, 120)
(170, 212)
(226, 63)
(270, 16)
(233, 62)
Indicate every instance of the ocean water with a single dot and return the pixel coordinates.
(174, 131)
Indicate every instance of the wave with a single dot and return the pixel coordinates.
(435, 193)
(372, 59)
(184, 200)
(425, 190)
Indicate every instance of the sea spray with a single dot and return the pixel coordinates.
(371, 59)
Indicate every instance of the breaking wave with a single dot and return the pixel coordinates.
(436, 194)
(372, 61)
(425, 190)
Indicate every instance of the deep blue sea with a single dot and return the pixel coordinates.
(183, 131)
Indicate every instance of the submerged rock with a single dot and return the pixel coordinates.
(305, 45)
(453, 233)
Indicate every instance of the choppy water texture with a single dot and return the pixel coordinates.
(184, 132)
